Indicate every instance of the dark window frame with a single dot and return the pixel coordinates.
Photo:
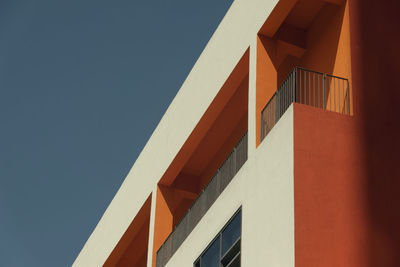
(198, 263)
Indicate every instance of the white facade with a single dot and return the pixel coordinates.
(264, 189)
(236, 34)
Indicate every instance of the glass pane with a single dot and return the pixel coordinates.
(211, 256)
(231, 233)
(197, 264)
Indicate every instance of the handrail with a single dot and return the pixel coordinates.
(203, 202)
(307, 87)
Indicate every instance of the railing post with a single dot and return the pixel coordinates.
(313, 89)
(334, 94)
(323, 90)
(300, 88)
(309, 88)
(278, 100)
(294, 84)
(234, 160)
(339, 94)
(348, 98)
(262, 125)
(319, 91)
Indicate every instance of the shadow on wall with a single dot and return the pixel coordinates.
(313, 36)
(322, 45)
(375, 52)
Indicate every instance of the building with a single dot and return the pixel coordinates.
(280, 149)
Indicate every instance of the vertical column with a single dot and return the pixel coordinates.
(252, 123)
(265, 76)
(152, 223)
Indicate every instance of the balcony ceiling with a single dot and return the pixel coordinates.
(303, 13)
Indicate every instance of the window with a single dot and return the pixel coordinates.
(224, 250)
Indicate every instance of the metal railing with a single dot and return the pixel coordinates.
(207, 197)
(307, 87)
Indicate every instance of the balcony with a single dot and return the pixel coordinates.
(310, 88)
(207, 197)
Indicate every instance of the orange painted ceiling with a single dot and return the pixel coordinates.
(220, 131)
(218, 121)
(303, 13)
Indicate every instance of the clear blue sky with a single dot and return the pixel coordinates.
(83, 84)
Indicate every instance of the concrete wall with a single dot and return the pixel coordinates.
(264, 189)
(330, 207)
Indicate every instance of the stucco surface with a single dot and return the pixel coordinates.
(230, 41)
(264, 189)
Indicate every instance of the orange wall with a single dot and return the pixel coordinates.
(346, 169)
(375, 40)
(350, 218)
(329, 190)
